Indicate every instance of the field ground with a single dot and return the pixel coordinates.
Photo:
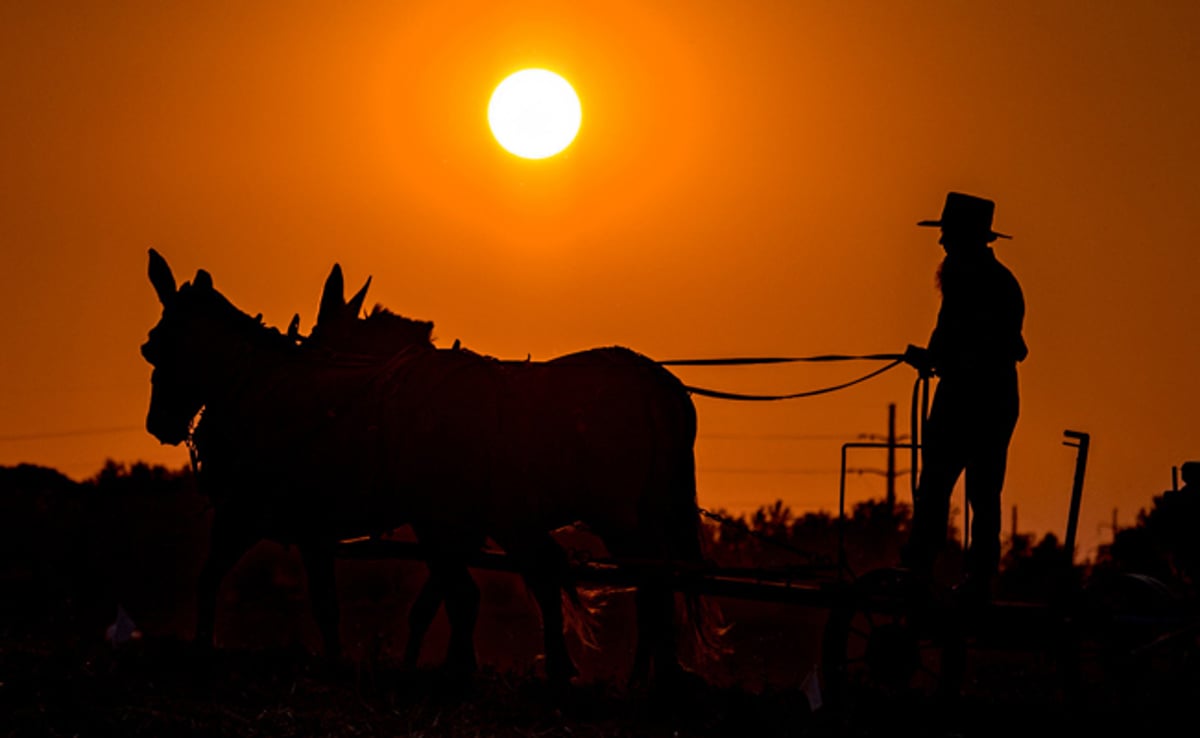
(67, 560)
(58, 679)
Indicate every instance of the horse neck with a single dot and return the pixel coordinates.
(259, 384)
(243, 366)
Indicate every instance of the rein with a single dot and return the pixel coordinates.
(894, 359)
(742, 361)
(920, 393)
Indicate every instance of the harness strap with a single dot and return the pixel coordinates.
(795, 395)
(743, 361)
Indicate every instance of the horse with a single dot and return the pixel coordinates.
(312, 449)
(339, 331)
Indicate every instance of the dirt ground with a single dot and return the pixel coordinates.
(59, 677)
(66, 564)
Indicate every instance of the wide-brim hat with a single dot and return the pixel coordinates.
(967, 213)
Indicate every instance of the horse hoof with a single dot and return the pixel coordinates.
(201, 651)
(562, 673)
(560, 684)
(412, 657)
(679, 682)
(334, 669)
(459, 670)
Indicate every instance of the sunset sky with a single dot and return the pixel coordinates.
(746, 181)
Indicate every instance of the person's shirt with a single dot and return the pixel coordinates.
(979, 324)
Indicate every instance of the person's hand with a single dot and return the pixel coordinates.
(918, 358)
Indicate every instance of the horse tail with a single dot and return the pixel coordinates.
(705, 624)
(580, 606)
(703, 619)
(581, 609)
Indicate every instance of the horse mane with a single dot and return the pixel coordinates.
(252, 327)
(391, 329)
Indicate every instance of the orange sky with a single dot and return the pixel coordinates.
(746, 181)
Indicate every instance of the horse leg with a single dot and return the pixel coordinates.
(420, 617)
(654, 601)
(229, 539)
(656, 634)
(665, 645)
(322, 591)
(640, 673)
(545, 563)
(644, 606)
(462, 609)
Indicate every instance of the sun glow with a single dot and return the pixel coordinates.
(534, 113)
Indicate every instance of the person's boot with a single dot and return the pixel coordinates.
(916, 561)
(975, 590)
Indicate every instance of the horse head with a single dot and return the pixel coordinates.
(381, 333)
(196, 348)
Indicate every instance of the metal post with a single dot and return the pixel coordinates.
(842, 517)
(1082, 441)
(891, 458)
(842, 494)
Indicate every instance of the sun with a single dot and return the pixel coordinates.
(534, 113)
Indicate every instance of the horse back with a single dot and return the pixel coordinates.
(595, 436)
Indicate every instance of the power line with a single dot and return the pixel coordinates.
(760, 472)
(770, 437)
(71, 433)
(878, 472)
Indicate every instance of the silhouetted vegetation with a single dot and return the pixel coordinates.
(72, 551)
(1164, 544)
(774, 536)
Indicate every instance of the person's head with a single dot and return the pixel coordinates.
(966, 223)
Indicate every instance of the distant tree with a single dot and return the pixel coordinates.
(773, 521)
(130, 535)
(31, 478)
(41, 514)
(1164, 544)
(1172, 525)
(873, 532)
(139, 477)
(773, 536)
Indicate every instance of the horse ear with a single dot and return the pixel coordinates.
(161, 278)
(202, 280)
(354, 307)
(332, 297)
(293, 331)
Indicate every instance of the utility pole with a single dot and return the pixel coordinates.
(891, 458)
(1114, 526)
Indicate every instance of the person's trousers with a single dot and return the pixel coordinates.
(968, 430)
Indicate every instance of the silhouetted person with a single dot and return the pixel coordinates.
(973, 351)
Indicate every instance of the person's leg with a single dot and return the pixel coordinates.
(984, 482)
(942, 462)
(996, 420)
